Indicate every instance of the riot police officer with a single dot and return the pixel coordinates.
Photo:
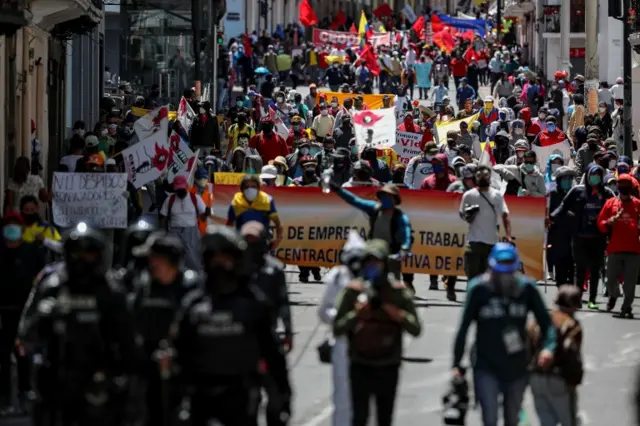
(135, 236)
(268, 276)
(158, 291)
(223, 334)
(79, 334)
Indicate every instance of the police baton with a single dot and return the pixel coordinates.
(163, 356)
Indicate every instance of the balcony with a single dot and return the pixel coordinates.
(13, 16)
(551, 18)
(66, 16)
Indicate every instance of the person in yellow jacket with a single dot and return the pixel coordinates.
(388, 155)
(204, 189)
(35, 229)
(283, 63)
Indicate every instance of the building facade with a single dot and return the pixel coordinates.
(33, 68)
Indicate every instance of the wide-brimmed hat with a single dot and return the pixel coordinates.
(392, 190)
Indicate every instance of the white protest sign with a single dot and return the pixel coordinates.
(95, 198)
(544, 152)
(375, 128)
(155, 121)
(186, 115)
(181, 158)
(408, 13)
(407, 145)
(146, 160)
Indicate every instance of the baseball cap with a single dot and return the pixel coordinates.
(269, 172)
(91, 141)
(180, 182)
(431, 148)
(110, 162)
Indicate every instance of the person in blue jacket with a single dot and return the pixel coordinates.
(499, 301)
(386, 221)
(464, 92)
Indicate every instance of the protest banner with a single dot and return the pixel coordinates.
(227, 178)
(95, 198)
(186, 115)
(339, 39)
(407, 145)
(316, 226)
(443, 127)
(181, 158)
(544, 152)
(380, 39)
(372, 101)
(376, 129)
(408, 13)
(154, 121)
(146, 160)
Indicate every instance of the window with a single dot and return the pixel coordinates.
(577, 16)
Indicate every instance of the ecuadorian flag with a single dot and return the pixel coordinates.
(363, 28)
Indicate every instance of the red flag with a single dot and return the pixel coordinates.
(383, 10)
(247, 45)
(307, 15)
(353, 29)
(339, 20)
(418, 25)
(436, 23)
(369, 33)
(370, 59)
(468, 35)
(444, 40)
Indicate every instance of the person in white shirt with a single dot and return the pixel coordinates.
(410, 57)
(179, 214)
(76, 151)
(617, 90)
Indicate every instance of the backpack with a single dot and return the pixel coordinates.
(533, 93)
(393, 244)
(172, 200)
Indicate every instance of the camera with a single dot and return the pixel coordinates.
(470, 212)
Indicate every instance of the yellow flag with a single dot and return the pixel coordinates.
(362, 28)
(381, 29)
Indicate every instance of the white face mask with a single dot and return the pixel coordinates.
(280, 100)
(542, 116)
(518, 131)
(79, 132)
(612, 164)
(554, 167)
(250, 194)
(334, 104)
(429, 157)
(243, 142)
(104, 132)
(324, 112)
(203, 111)
(601, 109)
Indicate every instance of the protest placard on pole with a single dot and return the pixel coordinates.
(181, 158)
(375, 128)
(147, 160)
(407, 145)
(156, 120)
(98, 199)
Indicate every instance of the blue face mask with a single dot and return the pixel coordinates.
(296, 128)
(595, 180)
(437, 168)
(239, 103)
(566, 184)
(551, 127)
(623, 170)
(386, 202)
(371, 273)
(12, 233)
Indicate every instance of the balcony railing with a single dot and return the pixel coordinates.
(551, 20)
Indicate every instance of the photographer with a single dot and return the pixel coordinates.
(482, 207)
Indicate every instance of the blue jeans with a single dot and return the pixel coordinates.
(488, 388)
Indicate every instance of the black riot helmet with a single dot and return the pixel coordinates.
(136, 235)
(84, 249)
(161, 243)
(223, 250)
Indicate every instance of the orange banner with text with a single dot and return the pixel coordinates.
(316, 226)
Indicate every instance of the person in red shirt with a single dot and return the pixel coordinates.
(268, 143)
(619, 219)
(458, 69)
(296, 133)
(531, 129)
(441, 177)
(408, 124)
(551, 135)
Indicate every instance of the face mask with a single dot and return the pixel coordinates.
(386, 202)
(104, 132)
(542, 116)
(624, 190)
(202, 182)
(488, 106)
(554, 87)
(528, 167)
(31, 218)
(554, 167)
(324, 112)
(520, 154)
(551, 127)
(358, 104)
(280, 100)
(79, 132)
(601, 110)
(354, 150)
(309, 172)
(334, 104)
(371, 273)
(127, 131)
(595, 180)
(267, 128)
(250, 194)
(437, 168)
(484, 183)
(296, 128)
(203, 111)
(12, 233)
(502, 116)
(181, 193)
(239, 103)
(612, 164)
(304, 151)
(623, 171)
(518, 131)
(566, 184)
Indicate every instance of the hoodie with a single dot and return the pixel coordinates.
(585, 203)
(559, 235)
(434, 183)
(623, 233)
(253, 164)
(532, 182)
(548, 175)
(531, 129)
(503, 150)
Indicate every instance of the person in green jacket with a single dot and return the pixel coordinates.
(374, 311)
(499, 302)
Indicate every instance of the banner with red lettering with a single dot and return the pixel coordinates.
(339, 39)
(407, 145)
(380, 39)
